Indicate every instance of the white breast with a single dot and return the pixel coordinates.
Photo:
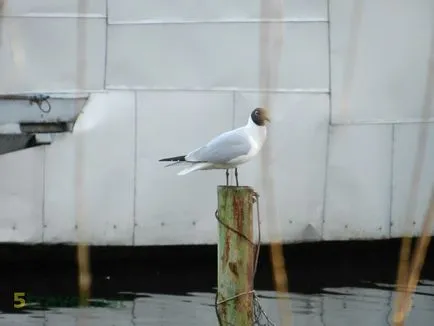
(257, 136)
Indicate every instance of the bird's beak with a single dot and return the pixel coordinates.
(267, 116)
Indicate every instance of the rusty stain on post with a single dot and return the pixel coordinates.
(235, 255)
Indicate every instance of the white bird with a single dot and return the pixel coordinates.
(228, 150)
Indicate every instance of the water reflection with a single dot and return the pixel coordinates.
(371, 305)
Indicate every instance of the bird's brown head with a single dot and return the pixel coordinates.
(259, 116)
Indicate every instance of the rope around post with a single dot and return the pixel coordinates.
(260, 317)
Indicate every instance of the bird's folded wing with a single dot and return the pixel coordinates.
(222, 149)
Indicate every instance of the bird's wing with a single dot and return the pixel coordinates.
(223, 148)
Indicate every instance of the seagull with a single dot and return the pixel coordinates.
(227, 150)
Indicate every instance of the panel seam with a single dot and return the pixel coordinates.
(44, 162)
(392, 165)
(329, 128)
(135, 172)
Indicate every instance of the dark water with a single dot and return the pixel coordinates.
(334, 307)
(338, 292)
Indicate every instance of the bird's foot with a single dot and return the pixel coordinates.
(255, 197)
(236, 176)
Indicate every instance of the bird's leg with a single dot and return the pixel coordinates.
(227, 177)
(236, 176)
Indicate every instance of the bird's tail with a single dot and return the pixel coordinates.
(180, 160)
(175, 159)
(194, 167)
(172, 159)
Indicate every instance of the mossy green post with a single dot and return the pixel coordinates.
(235, 255)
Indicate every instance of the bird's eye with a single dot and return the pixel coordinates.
(256, 112)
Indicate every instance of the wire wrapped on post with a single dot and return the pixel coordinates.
(260, 317)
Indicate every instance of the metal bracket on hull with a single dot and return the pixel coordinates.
(31, 120)
(40, 100)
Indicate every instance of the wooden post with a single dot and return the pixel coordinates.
(235, 255)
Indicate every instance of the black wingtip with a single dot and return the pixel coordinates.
(172, 159)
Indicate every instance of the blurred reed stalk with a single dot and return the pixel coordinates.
(271, 40)
(404, 280)
(84, 274)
